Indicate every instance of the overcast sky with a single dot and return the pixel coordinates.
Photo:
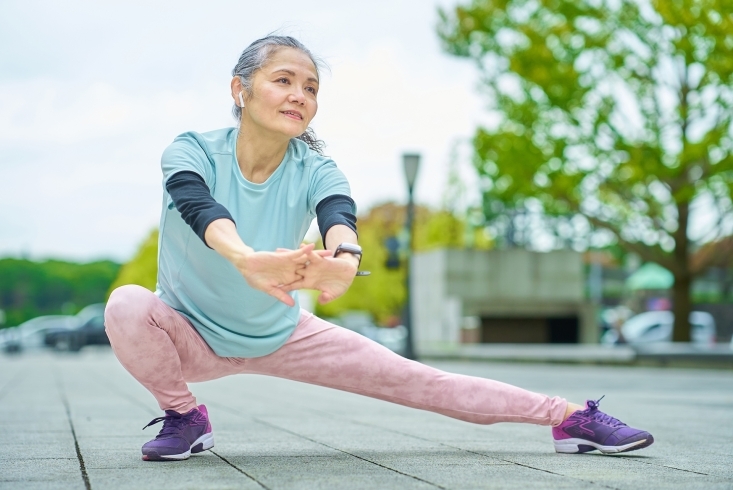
(92, 92)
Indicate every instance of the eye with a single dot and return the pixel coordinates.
(312, 90)
(282, 80)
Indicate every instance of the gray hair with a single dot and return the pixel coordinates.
(257, 55)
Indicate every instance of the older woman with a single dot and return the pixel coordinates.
(237, 204)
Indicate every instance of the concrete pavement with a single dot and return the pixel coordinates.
(73, 422)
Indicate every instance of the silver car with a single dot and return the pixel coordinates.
(656, 326)
(31, 335)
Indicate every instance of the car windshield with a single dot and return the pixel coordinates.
(46, 322)
(639, 324)
(90, 312)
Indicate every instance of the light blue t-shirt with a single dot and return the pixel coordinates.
(233, 318)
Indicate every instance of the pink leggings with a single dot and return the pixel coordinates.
(161, 349)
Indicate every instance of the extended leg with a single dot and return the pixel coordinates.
(323, 354)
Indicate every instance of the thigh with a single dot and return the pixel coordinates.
(325, 354)
(198, 360)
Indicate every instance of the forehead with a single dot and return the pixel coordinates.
(291, 59)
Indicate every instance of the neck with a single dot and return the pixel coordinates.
(259, 152)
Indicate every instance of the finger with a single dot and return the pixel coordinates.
(300, 252)
(292, 286)
(323, 253)
(282, 296)
(281, 250)
(324, 298)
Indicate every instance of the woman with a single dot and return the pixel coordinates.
(237, 204)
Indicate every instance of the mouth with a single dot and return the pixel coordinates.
(293, 114)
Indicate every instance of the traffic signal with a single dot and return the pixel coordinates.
(393, 246)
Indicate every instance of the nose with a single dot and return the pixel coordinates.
(297, 96)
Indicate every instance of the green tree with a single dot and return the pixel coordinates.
(383, 293)
(29, 289)
(142, 269)
(618, 111)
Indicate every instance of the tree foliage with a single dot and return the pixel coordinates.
(617, 111)
(29, 289)
(383, 293)
(142, 269)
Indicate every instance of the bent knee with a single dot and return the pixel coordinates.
(128, 303)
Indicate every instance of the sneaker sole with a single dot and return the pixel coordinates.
(574, 446)
(203, 443)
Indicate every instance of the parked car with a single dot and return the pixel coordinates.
(656, 326)
(31, 335)
(89, 331)
(393, 338)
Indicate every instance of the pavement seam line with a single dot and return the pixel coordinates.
(240, 470)
(129, 398)
(82, 466)
(346, 452)
(458, 448)
(674, 468)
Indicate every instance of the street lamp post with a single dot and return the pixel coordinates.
(411, 162)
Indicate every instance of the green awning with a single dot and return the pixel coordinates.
(650, 276)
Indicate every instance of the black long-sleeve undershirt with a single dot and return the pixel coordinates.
(193, 199)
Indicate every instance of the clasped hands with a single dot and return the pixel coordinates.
(279, 272)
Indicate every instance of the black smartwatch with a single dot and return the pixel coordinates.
(352, 249)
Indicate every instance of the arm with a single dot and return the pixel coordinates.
(337, 223)
(339, 234)
(332, 275)
(267, 271)
(213, 223)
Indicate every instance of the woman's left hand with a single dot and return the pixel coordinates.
(330, 275)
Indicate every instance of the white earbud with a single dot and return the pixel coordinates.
(241, 100)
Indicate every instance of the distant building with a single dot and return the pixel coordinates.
(509, 296)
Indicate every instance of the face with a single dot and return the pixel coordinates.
(284, 93)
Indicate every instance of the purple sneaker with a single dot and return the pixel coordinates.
(590, 429)
(181, 435)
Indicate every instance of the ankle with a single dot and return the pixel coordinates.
(572, 407)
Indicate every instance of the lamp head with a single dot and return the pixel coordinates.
(411, 162)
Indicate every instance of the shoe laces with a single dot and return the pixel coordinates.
(173, 423)
(593, 412)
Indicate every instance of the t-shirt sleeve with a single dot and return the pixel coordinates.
(326, 180)
(186, 153)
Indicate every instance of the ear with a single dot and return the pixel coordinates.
(237, 92)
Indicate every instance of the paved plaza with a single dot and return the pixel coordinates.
(73, 422)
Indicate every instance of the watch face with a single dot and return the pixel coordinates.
(350, 247)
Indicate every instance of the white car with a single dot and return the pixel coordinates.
(656, 326)
(31, 335)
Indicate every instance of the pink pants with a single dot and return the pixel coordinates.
(161, 349)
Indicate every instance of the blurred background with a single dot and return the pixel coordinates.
(526, 171)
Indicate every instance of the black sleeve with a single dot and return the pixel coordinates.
(335, 210)
(193, 199)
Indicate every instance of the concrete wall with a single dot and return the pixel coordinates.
(449, 285)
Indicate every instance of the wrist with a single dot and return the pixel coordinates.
(240, 258)
(352, 258)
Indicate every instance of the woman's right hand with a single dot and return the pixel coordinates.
(272, 272)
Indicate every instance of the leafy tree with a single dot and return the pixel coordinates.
(142, 269)
(383, 293)
(29, 289)
(617, 111)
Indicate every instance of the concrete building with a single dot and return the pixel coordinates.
(511, 296)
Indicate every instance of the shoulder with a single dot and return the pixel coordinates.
(311, 160)
(210, 142)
